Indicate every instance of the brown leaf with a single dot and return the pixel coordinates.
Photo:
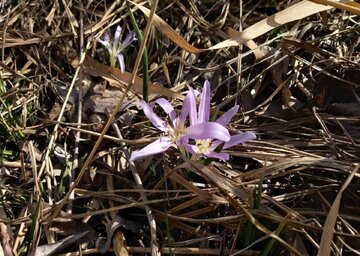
(328, 231)
(350, 6)
(259, 54)
(50, 17)
(5, 240)
(53, 249)
(73, 22)
(119, 244)
(117, 78)
(295, 12)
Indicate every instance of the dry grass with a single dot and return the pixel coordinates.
(66, 130)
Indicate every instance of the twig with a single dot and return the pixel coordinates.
(79, 116)
(138, 181)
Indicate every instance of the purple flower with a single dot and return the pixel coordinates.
(117, 47)
(209, 147)
(200, 137)
(176, 132)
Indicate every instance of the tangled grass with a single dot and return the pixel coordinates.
(69, 123)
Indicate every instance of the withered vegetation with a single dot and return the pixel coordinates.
(67, 187)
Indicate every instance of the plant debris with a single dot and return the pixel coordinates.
(72, 119)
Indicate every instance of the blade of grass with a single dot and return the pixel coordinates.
(270, 244)
(250, 234)
(145, 61)
(350, 6)
(220, 182)
(64, 181)
(328, 232)
(9, 122)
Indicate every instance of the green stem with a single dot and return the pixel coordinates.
(145, 60)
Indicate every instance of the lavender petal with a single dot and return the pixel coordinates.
(156, 147)
(228, 115)
(130, 37)
(208, 130)
(106, 42)
(189, 148)
(221, 156)
(167, 107)
(189, 108)
(121, 62)
(204, 108)
(154, 118)
(117, 36)
(239, 138)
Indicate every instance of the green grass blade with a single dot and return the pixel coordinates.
(271, 243)
(145, 60)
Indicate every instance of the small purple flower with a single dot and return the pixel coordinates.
(117, 47)
(200, 137)
(207, 147)
(176, 132)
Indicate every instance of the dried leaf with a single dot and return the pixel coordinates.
(119, 244)
(328, 231)
(53, 249)
(111, 227)
(230, 187)
(259, 54)
(350, 6)
(191, 187)
(5, 240)
(295, 12)
(120, 79)
(51, 14)
(73, 23)
(168, 31)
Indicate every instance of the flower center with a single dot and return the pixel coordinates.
(175, 133)
(203, 146)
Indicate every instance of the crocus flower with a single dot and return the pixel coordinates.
(117, 47)
(176, 132)
(210, 147)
